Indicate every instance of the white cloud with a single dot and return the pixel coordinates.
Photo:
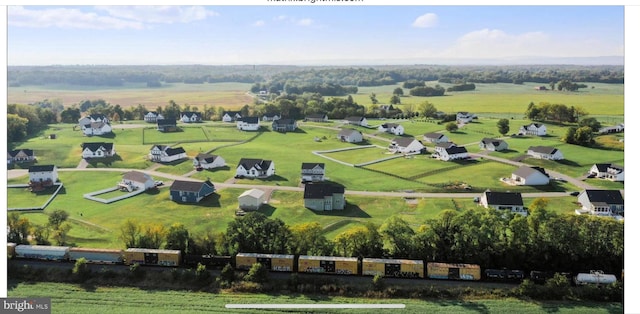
(305, 22)
(426, 20)
(167, 14)
(280, 18)
(259, 23)
(65, 18)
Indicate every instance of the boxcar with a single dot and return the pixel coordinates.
(97, 256)
(273, 262)
(504, 274)
(453, 271)
(402, 268)
(52, 253)
(328, 265)
(207, 260)
(11, 250)
(152, 257)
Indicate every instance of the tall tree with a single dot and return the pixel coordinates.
(177, 237)
(397, 235)
(503, 126)
(451, 126)
(398, 91)
(427, 109)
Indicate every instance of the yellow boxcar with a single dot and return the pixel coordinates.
(273, 262)
(453, 271)
(11, 250)
(152, 257)
(328, 265)
(401, 268)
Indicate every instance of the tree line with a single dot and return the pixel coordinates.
(274, 75)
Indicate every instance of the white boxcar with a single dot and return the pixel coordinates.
(97, 256)
(53, 253)
(596, 278)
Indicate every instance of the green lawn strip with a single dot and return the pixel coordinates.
(71, 298)
(22, 197)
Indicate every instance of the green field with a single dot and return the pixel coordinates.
(71, 298)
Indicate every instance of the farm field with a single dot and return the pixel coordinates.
(231, 96)
(70, 298)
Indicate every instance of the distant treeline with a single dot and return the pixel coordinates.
(275, 77)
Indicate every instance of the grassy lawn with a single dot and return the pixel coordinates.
(189, 133)
(23, 198)
(71, 298)
(357, 156)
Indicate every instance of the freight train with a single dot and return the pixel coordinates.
(328, 265)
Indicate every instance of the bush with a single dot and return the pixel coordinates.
(258, 273)
(136, 272)
(81, 269)
(202, 274)
(378, 282)
(228, 274)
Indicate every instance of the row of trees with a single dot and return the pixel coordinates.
(22, 231)
(543, 240)
(545, 111)
(279, 75)
(25, 121)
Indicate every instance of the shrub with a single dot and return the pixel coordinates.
(136, 272)
(81, 269)
(258, 273)
(202, 273)
(228, 274)
(378, 282)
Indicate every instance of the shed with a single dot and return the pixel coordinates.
(251, 199)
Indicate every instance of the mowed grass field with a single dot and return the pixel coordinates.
(71, 298)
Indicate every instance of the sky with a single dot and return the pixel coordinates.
(315, 35)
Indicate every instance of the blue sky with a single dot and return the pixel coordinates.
(42, 35)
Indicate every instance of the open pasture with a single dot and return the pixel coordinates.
(231, 96)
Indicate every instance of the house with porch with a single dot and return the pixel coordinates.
(231, 116)
(248, 124)
(136, 180)
(608, 171)
(464, 117)
(190, 117)
(312, 172)
(324, 196)
(392, 128)
(284, 125)
(190, 191)
(271, 117)
(20, 156)
(98, 150)
(255, 168)
(535, 129)
(42, 176)
(510, 201)
(601, 203)
(165, 153)
(152, 117)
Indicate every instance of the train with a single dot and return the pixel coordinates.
(322, 265)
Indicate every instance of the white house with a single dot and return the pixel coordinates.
(136, 180)
(441, 147)
(611, 172)
(503, 201)
(601, 202)
(452, 153)
(392, 128)
(255, 168)
(350, 136)
(612, 129)
(545, 152)
(152, 117)
(312, 172)
(361, 121)
(271, 117)
(164, 153)
(435, 138)
(96, 128)
(207, 161)
(317, 117)
(248, 124)
(251, 199)
(41, 176)
(406, 145)
(20, 155)
(530, 176)
(93, 118)
(190, 117)
(323, 196)
(536, 129)
(230, 116)
(464, 117)
(493, 144)
(98, 150)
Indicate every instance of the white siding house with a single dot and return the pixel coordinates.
(601, 202)
(248, 124)
(503, 201)
(392, 128)
(190, 117)
(136, 180)
(230, 116)
(530, 176)
(350, 136)
(98, 150)
(164, 153)
(361, 121)
(406, 145)
(312, 172)
(435, 138)
(493, 144)
(611, 172)
(464, 117)
(207, 161)
(536, 129)
(255, 168)
(44, 175)
(152, 117)
(545, 152)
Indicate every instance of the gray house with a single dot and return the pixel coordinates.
(324, 196)
(284, 125)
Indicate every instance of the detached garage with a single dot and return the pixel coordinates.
(251, 199)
